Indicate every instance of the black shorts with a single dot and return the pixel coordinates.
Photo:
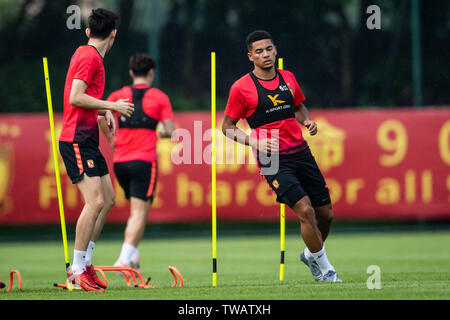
(80, 160)
(137, 178)
(298, 176)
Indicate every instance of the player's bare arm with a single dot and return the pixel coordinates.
(166, 129)
(107, 124)
(231, 131)
(302, 116)
(107, 131)
(79, 98)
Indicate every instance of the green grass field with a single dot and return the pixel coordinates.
(414, 265)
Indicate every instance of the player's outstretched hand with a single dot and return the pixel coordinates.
(123, 107)
(311, 126)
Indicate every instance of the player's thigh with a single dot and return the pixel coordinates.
(108, 190)
(286, 185)
(91, 190)
(139, 206)
(94, 164)
(73, 161)
(143, 181)
(324, 213)
(313, 182)
(304, 209)
(123, 177)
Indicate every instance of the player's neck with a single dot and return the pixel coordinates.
(264, 74)
(144, 81)
(100, 45)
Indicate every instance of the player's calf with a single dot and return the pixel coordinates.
(324, 217)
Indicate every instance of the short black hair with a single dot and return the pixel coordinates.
(256, 36)
(101, 22)
(141, 64)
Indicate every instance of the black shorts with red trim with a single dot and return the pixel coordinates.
(299, 176)
(137, 178)
(80, 160)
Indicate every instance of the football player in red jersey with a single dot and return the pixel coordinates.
(79, 140)
(134, 145)
(271, 101)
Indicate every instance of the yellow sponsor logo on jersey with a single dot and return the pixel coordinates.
(274, 100)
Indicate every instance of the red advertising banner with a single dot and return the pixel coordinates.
(378, 164)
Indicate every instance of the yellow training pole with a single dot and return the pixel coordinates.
(282, 216)
(57, 175)
(282, 239)
(213, 167)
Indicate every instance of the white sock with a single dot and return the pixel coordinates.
(308, 254)
(88, 259)
(322, 260)
(126, 253)
(135, 256)
(78, 266)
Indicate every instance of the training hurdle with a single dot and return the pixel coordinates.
(127, 273)
(11, 280)
(136, 278)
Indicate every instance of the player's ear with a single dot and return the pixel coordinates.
(113, 34)
(131, 74)
(88, 33)
(250, 57)
(151, 73)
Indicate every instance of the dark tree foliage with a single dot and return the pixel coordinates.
(336, 59)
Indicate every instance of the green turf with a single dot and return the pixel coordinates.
(414, 265)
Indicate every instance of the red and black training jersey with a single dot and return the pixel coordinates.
(80, 124)
(245, 96)
(140, 143)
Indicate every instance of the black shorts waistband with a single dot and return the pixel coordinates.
(303, 153)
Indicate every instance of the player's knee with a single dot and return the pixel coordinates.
(97, 203)
(327, 215)
(330, 216)
(138, 214)
(305, 213)
(109, 202)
